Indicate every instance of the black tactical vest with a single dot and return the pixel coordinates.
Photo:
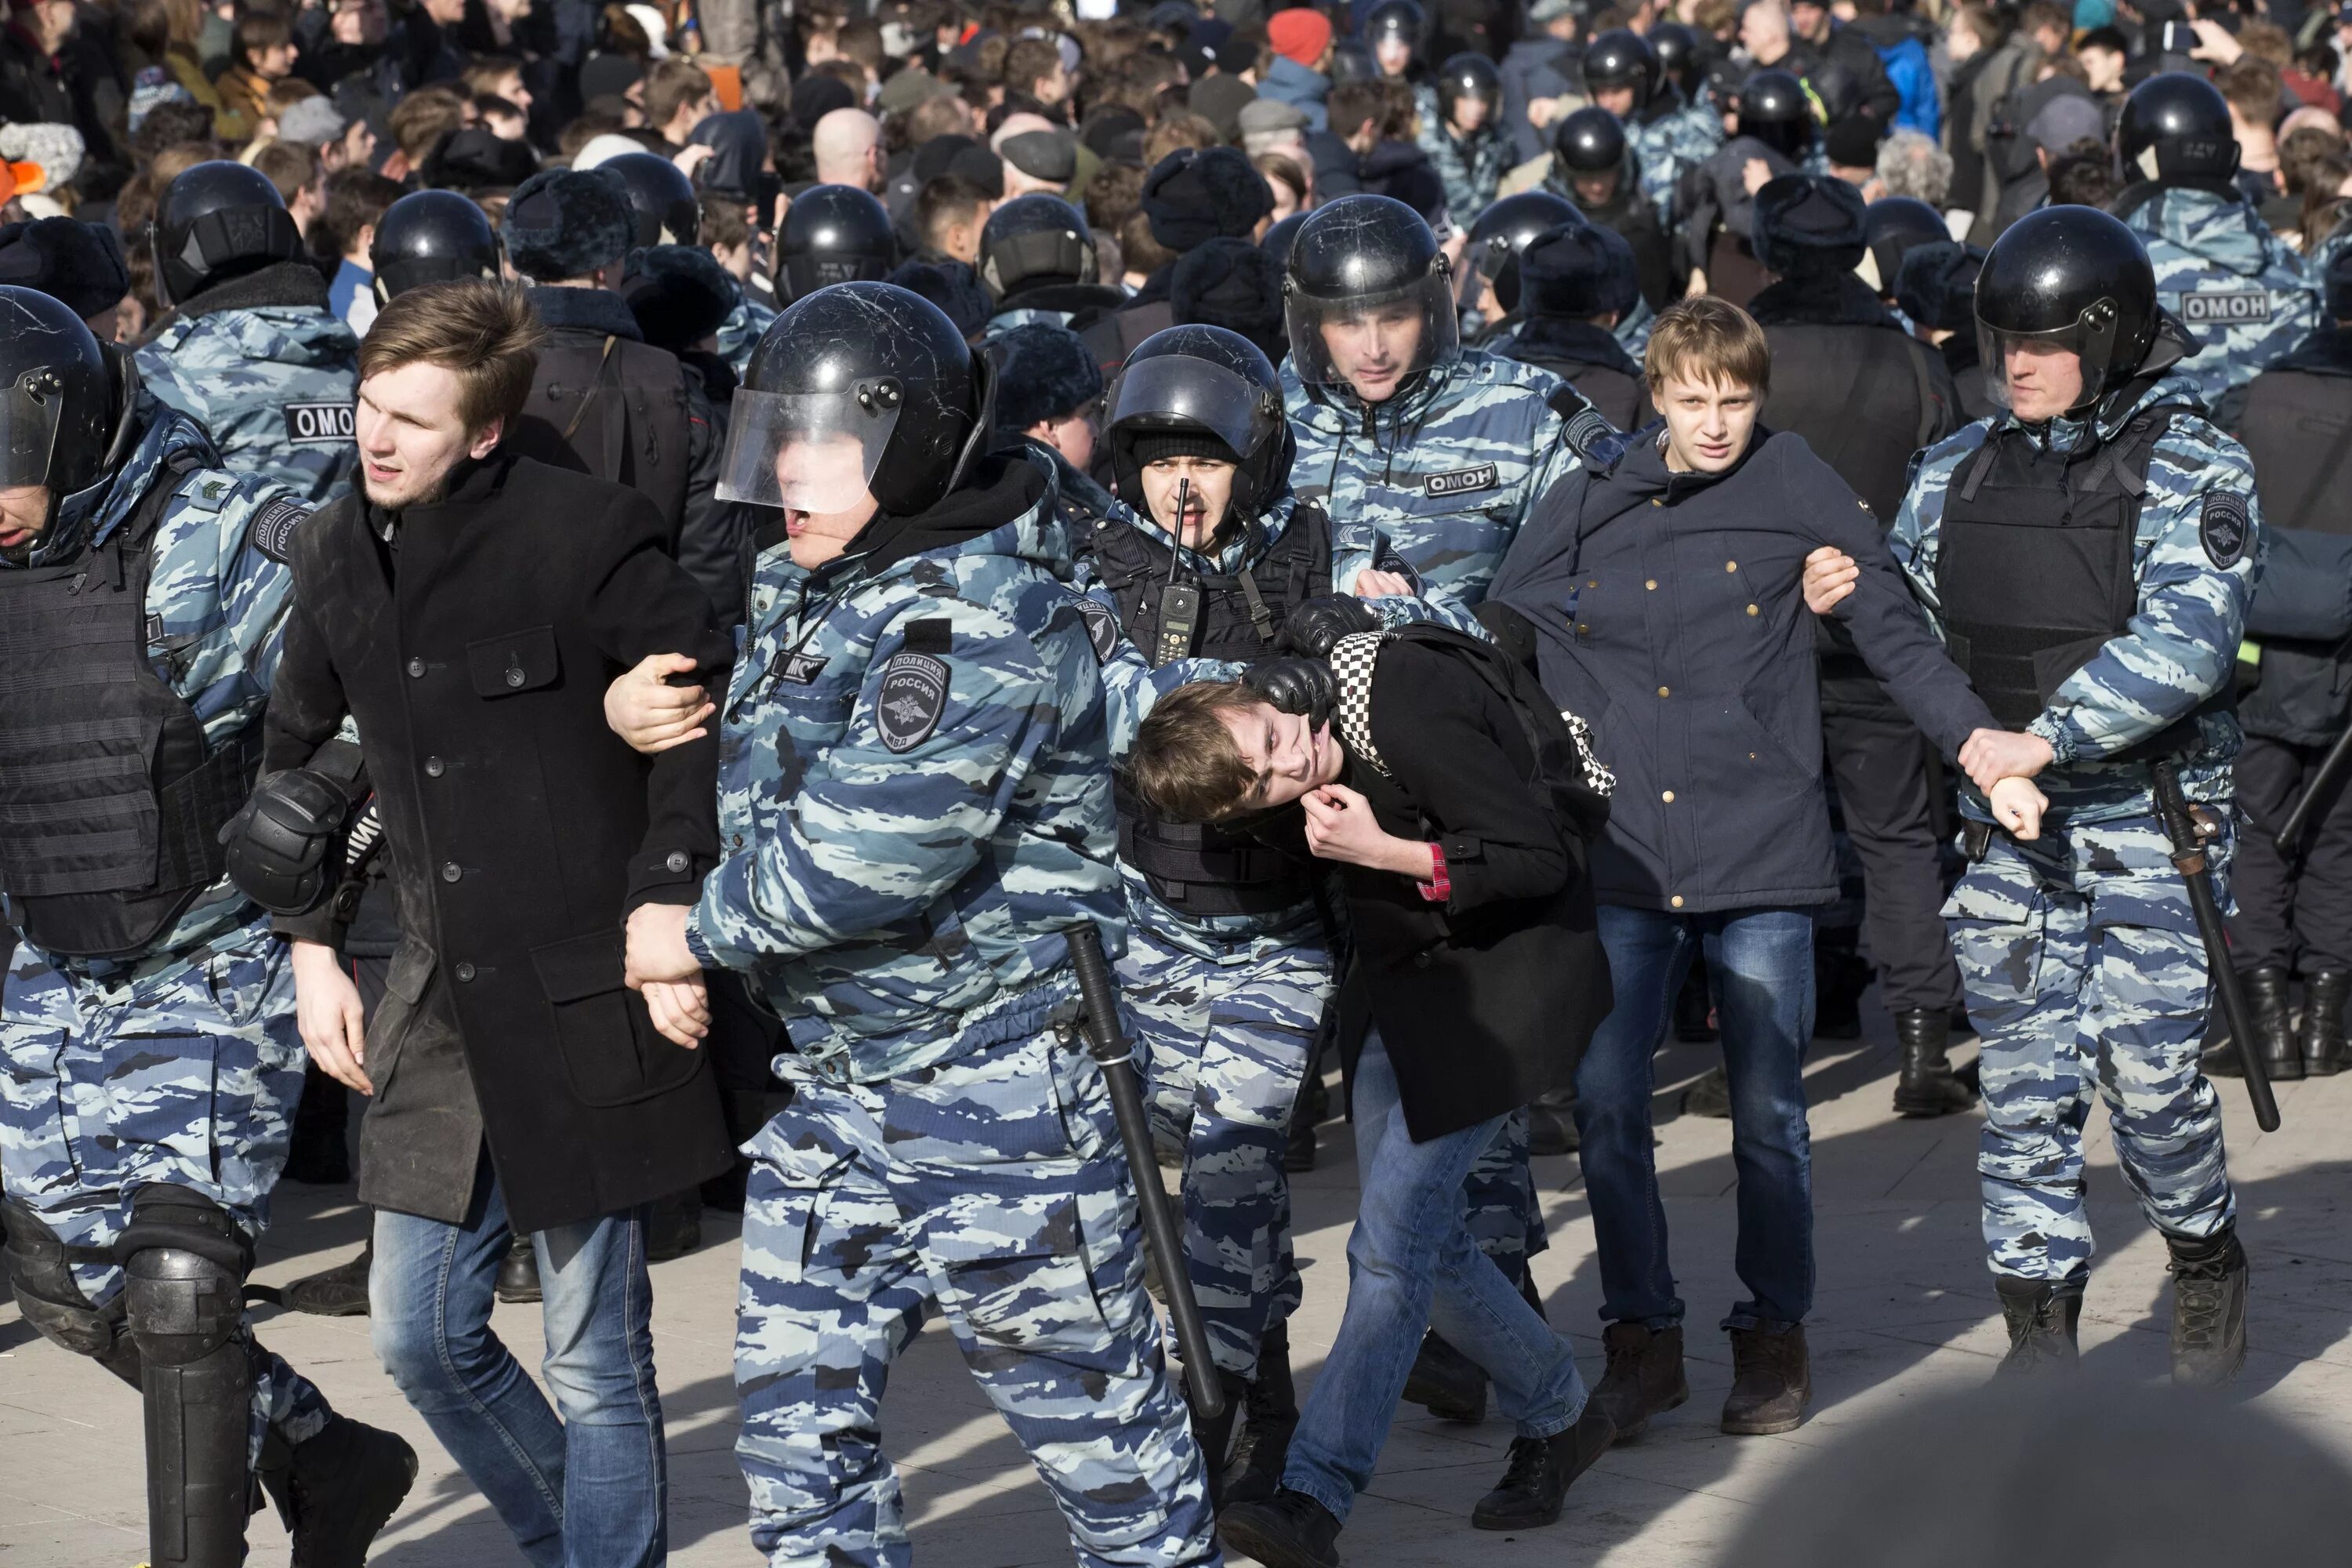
(615, 410)
(2298, 429)
(2036, 568)
(1191, 868)
(110, 801)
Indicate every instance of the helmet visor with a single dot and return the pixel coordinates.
(30, 413)
(1371, 344)
(2034, 364)
(807, 451)
(1176, 390)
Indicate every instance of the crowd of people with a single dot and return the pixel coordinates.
(629, 589)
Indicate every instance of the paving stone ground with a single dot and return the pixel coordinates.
(1905, 1308)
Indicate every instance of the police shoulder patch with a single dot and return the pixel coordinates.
(2222, 528)
(914, 695)
(274, 526)
(1102, 629)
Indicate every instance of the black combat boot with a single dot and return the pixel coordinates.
(1541, 1469)
(2042, 1315)
(674, 1225)
(1447, 1383)
(1289, 1529)
(1710, 1096)
(2265, 991)
(1925, 1086)
(339, 1292)
(1214, 1434)
(518, 1274)
(1551, 1123)
(1771, 1382)
(337, 1490)
(2208, 1308)
(1269, 1416)
(1645, 1376)
(2322, 1040)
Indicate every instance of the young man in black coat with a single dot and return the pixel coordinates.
(1413, 763)
(467, 611)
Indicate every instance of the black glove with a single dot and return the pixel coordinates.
(1295, 685)
(1315, 625)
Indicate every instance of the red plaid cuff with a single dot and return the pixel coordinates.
(1440, 887)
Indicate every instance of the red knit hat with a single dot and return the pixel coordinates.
(1301, 33)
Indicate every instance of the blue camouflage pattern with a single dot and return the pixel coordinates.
(276, 387)
(989, 1186)
(182, 1068)
(2183, 635)
(1666, 146)
(2085, 974)
(1499, 1203)
(740, 333)
(896, 905)
(1470, 169)
(2233, 284)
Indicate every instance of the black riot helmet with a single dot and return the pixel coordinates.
(1400, 20)
(1676, 48)
(1277, 240)
(1774, 110)
(1893, 225)
(1501, 232)
(2176, 126)
(58, 410)
(1036, 239)
(1351, 60)
(218, 220)
(833, 234)
(1590, 141)
(2075, 278)
(1472, 77)
(431, 236)
(1367, 271)
(1621, 58)
(1205, 391)
(860, 389)
(662, 197)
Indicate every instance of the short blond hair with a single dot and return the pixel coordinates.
(486, 333)
(1710, 341)
(1186, 762)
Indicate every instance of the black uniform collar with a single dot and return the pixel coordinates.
(285, 284)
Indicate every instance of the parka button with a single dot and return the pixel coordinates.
(1676, 900)
(1752, 610)
(1668, 798)
(415, 669)
(433, 767)
(1665, 692)
(449, 871)
(1652, 584)
(464, 971)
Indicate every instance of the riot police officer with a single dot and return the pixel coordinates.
(2090, 553)
(1488, 288)
(1460, 114)
(915, 743)
(1037, 258)
(145, 589)
(431, 236)
(1894, 227)
(1714, 235)
(661, 197)
(1669, 132)
(833, 234)
(1576, 283)
(1395, 31)
(1594, 165)
(2220, 271)
(250, 349)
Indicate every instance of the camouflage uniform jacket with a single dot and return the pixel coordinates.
(2232, 282)
(915, 794)
(2183, 634)
(217, 592)
(275, 386)
(1663, 147)
(738, 334)
(1472, 167)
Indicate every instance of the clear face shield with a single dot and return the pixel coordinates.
(808, 451)
(1371, 344)
(2034, 368)
(30, 413)
(1173, 391)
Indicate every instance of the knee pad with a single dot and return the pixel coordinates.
(40, 1277)
(185, 1263)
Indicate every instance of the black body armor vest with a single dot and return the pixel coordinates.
(2036, 567)
(110, 803)
(2298, 429)
(1190, 867)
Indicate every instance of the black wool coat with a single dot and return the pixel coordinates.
(472, 649)
(1487, 1000)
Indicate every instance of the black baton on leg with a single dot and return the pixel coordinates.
(2189, 859)
(1109, 1048)
(2324, 780)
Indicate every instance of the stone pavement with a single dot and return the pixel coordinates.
(1905, 1307)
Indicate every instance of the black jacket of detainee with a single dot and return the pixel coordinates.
(473, 647)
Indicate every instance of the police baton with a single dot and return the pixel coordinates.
(2329, 773)
(2189, 859)
(1109, 1048)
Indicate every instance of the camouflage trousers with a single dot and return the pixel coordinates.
(1222, 1046)
(183, 1069)
(993, 1186)
(2084, 971)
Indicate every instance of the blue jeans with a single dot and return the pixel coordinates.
(1761, 961)
(1411, 1261)
(591, 1490)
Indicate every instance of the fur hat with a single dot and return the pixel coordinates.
(79, 264)
(1228, 282)
(1809, 223)
(1044, 373)
(1936, 285)
(954, 288)
(1193, 196)
(567, 223)
(678, 293)
(1578, 272)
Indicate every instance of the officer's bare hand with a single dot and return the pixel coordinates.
(1992, 755)
(1370, 585)
(657, 946)
(1830, 576)
(328, 1012)
(680, 1009)
(2018, 805)
(645, 709)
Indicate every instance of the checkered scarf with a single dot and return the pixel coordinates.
(1352, 659)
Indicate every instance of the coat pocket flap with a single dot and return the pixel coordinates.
(412, 967)
(582, 967)
(518, 661)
